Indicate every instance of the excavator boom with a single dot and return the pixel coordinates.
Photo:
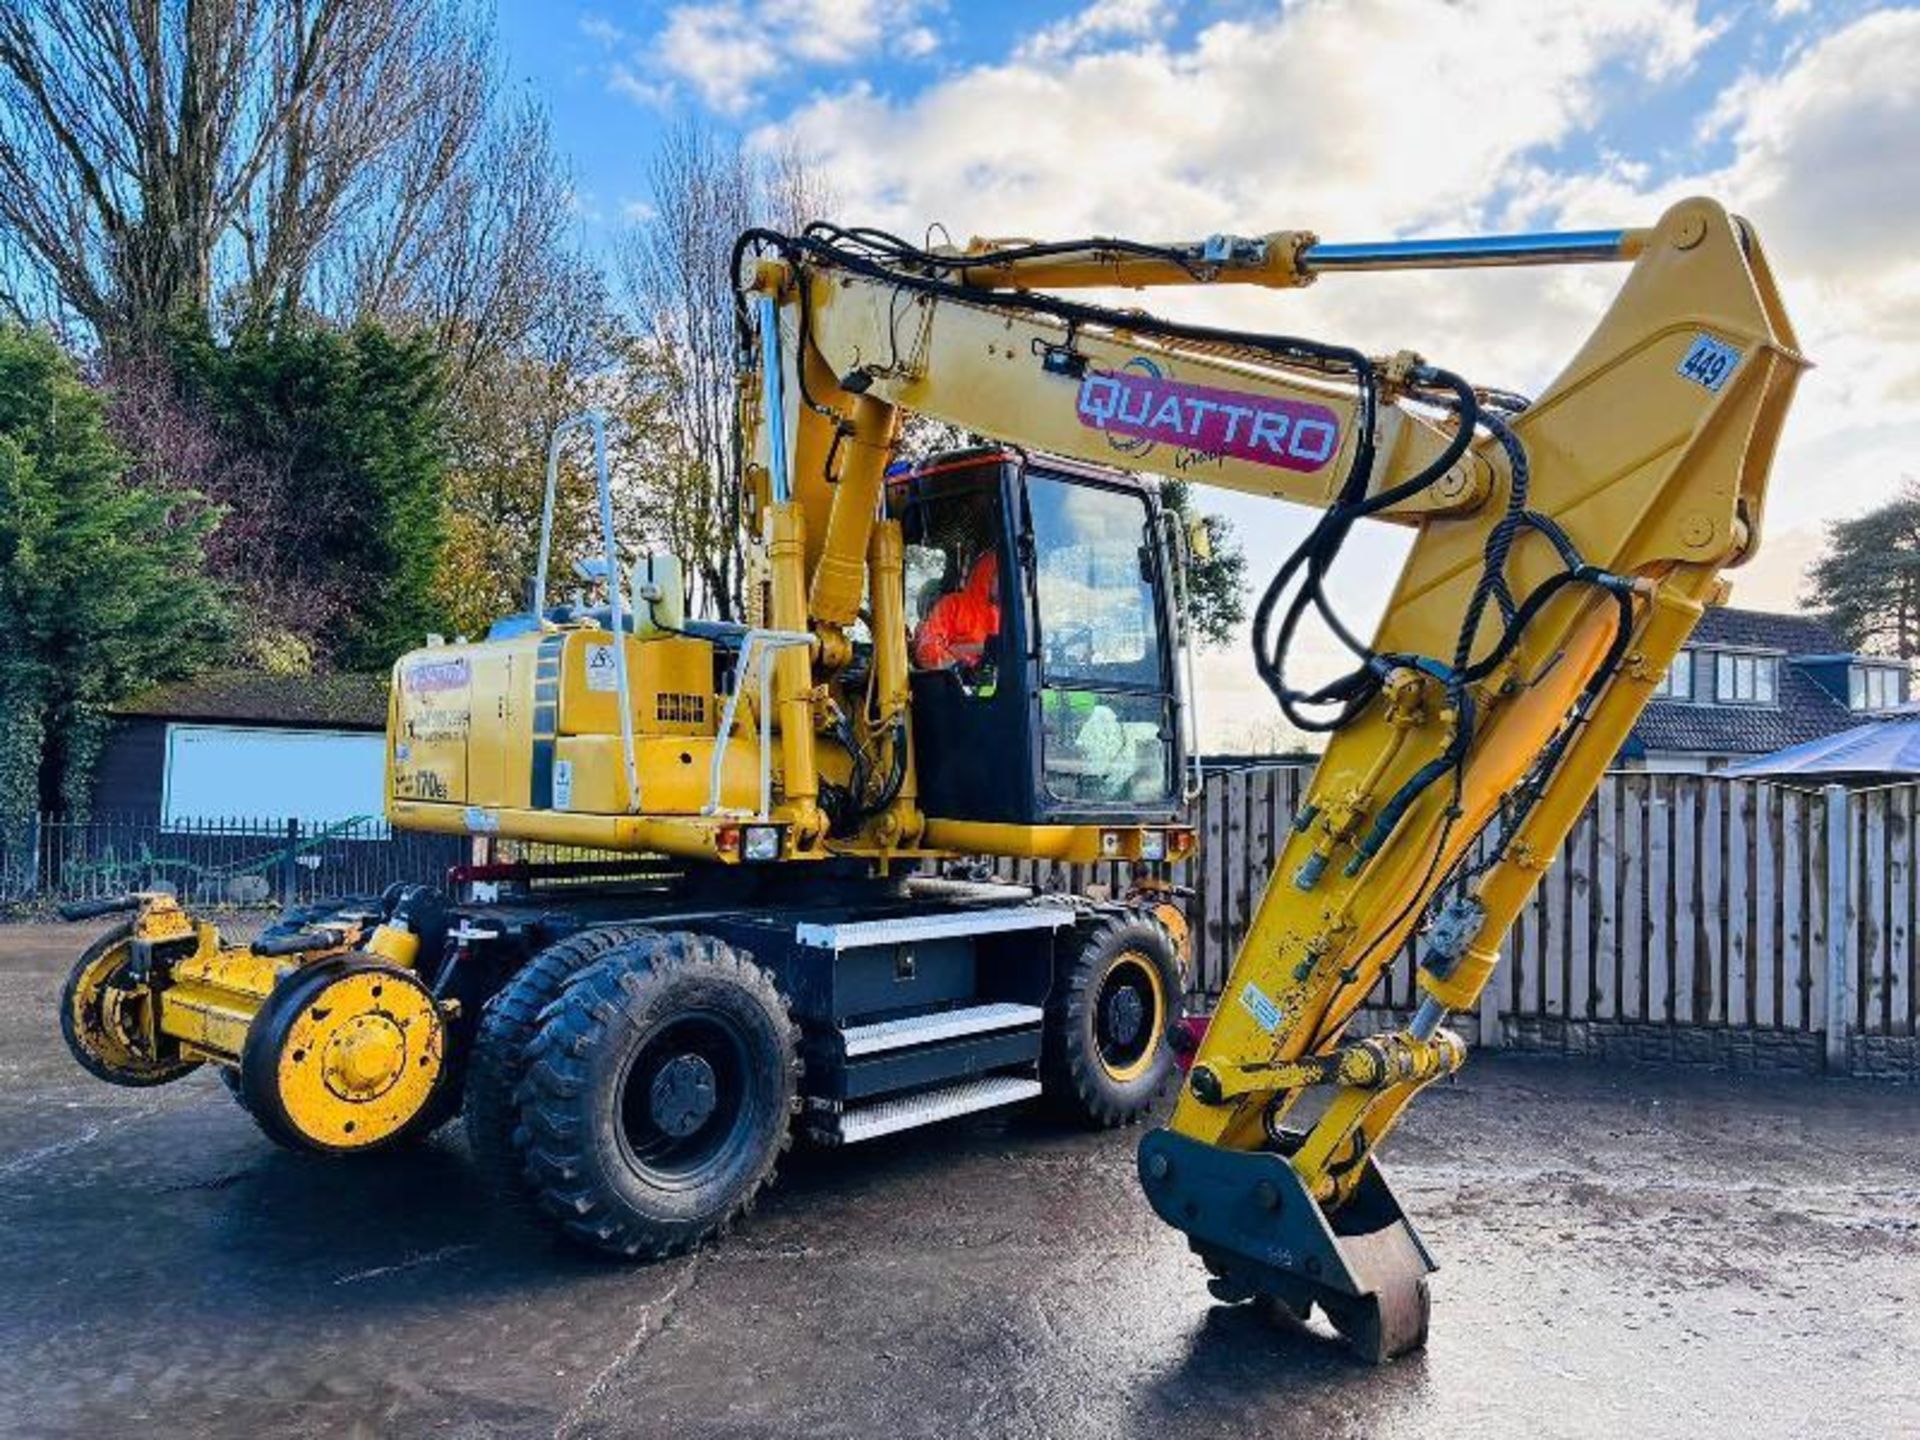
(1563, 551)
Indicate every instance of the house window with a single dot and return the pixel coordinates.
(1745, 679)
(1874, 687)
(1677, 683)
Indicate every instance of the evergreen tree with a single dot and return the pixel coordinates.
(1868, 582)
(347, 429)
(101, 590)
(1216, 571)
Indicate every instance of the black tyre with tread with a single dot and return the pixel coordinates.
(658, 1096)
(1116, 991)
(497, 1061)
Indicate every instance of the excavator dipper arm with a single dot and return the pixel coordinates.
(1564, 550)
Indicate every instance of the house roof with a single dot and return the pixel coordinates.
(334, 702)
(1806, 711)
(1766, 630)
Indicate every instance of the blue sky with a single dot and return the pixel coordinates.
(575, 55)
(1356, 119)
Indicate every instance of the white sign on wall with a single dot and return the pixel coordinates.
(219, 772)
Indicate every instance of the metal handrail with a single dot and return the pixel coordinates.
(595, 421)
(767, 643)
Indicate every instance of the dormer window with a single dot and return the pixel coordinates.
(1677, 683)
(1875, 687)
(1745, 679)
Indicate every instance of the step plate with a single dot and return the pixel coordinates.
(868, 1122)
(886, 1035)
(859, 934)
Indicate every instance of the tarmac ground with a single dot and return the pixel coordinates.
(1623, 1253)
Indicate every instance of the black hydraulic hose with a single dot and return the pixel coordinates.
(880, 255)
(1097, 245)
(1333, 359)
(1447, 762)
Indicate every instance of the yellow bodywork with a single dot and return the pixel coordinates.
(350, 1069)
(521, 738)
(1654, 474)
(1653, 469)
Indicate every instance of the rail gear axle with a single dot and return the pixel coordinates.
(326, 1035)
(985, 655)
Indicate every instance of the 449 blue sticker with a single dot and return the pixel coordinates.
(1709, 362)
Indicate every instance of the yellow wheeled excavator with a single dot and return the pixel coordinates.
(981, 654)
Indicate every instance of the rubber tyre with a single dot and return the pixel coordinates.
(1081, 1083)
(253, 1088)
(134, 1073)
(497, 1062)
(577, 1108)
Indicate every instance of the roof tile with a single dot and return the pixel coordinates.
(348, 702)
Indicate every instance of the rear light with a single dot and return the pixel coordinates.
(762, 843)
(1153, 845)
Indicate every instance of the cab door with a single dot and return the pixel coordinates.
(1104, 708)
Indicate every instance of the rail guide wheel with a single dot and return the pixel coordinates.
(347, 1057)
(102, 1016)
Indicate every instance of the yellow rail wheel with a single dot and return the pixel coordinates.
(103, 1016)
(1116, 988)
(346, 1057)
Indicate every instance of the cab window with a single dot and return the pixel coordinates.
(1093, 580)
(1106, 724)
(954, 591)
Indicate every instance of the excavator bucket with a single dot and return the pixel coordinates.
(1263, 1236)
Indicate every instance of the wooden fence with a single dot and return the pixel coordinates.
(1678, 900)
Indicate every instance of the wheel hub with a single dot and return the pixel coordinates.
(1125, 1012)
(683, 1095)
(364, 1057)
(356, 1061)
(1128, 1014)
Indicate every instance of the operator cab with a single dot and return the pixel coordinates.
(1044, 641)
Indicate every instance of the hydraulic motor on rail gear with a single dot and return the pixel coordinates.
(984, 654)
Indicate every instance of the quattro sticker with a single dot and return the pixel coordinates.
(427, 677)
(1138, 407)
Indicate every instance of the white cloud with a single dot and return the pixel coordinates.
(727, 50)
(601, 31)
(1365, 114)
(1394, 117)
(1103, 20)
(1826, 165)
(917, 42)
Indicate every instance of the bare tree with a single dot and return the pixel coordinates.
(177, 448)
(262, 155)
(567, 361)
(705, 190)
